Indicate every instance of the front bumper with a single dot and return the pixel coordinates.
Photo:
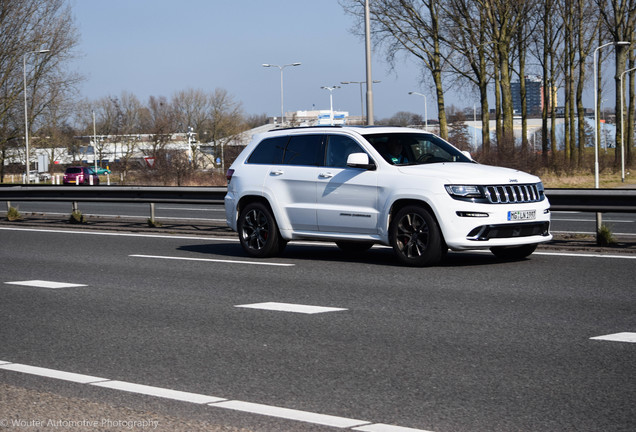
(481, 226)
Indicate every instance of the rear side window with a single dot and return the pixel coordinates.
(269, 151)
(304, 150)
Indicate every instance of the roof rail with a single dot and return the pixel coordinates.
(305, 127)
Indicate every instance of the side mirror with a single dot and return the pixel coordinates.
(360, 160)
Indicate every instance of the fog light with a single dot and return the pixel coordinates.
(472, 214)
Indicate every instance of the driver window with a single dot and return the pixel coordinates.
(338, 150)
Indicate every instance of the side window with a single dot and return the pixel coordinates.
(339, 147)
(269, 151)
(304, 150)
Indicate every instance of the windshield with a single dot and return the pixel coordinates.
(414, 148)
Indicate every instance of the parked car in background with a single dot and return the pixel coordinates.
(101, 171)
(34, 176)
(80, 175)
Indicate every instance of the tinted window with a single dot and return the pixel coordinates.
(73, 170)
(339, 147)
(304, 150)
(414, 148)
(269, 151)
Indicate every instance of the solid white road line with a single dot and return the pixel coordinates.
(51, 373)
(213, 260)
(291, 414)
(618, 337)
(45, 284)
(380, 427)
(211, 401)
(289, 307)
(119, 234)
(159, 392)
(584, 255)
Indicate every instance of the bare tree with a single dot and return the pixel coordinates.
(26, 28)
(619, 19)
(465, 24)
(413, 27)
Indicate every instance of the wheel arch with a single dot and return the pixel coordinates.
(399, 204)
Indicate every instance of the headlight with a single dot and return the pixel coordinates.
(541, 189)
(464, 191)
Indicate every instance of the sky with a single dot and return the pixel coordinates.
(159, 47)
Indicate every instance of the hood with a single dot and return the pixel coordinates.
(469, 173)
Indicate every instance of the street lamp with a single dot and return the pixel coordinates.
(26, 112)
(282, 113)
(425, 109)
(599, 221)
(331, 89)
(367, 55)
(361, 94)
(623, 126)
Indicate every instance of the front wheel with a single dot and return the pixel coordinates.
(416, 237)
(513, 253)
(258, 231)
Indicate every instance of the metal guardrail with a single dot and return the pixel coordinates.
(139, 194)
(593, 200)
(586, 200)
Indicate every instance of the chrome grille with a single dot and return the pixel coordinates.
(503, 194)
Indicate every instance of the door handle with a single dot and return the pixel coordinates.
(276, 172)
(325, 175)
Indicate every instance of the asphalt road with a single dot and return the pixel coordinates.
(474, 344)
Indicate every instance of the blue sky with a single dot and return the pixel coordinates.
(158, 47)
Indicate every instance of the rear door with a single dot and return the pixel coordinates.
(292, 184)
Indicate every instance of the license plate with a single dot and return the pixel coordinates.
(522, 215)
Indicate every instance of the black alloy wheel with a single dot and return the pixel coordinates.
(258, 231)
(416, 237)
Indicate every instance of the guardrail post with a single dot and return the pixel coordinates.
(75, 209)
(152, 213)
(8, 206)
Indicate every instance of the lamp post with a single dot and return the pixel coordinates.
(361, 94)
(425, 109)
(367, 45)
(282, 113)
(599, 220)
(26, 111)
(331, 89)
(623, 125)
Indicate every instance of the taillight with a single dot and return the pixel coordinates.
(229, 174)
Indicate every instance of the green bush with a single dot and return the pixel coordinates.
(13, 214)
(77, 218)
(604, 237)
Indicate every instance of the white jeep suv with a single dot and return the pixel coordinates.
(402, 187)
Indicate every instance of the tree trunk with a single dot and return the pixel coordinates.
(629, 133)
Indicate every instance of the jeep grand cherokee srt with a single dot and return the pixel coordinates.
(360, 186)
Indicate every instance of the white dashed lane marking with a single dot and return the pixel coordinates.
(289, 307)
(618, 337)
(45, 284)
(263, 263)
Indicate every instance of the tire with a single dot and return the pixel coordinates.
(512, 253)
(416, 237)
(258, 231)
(354, 247)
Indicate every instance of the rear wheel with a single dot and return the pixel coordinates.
(416, 237)
(258, 231)
(513, 252)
